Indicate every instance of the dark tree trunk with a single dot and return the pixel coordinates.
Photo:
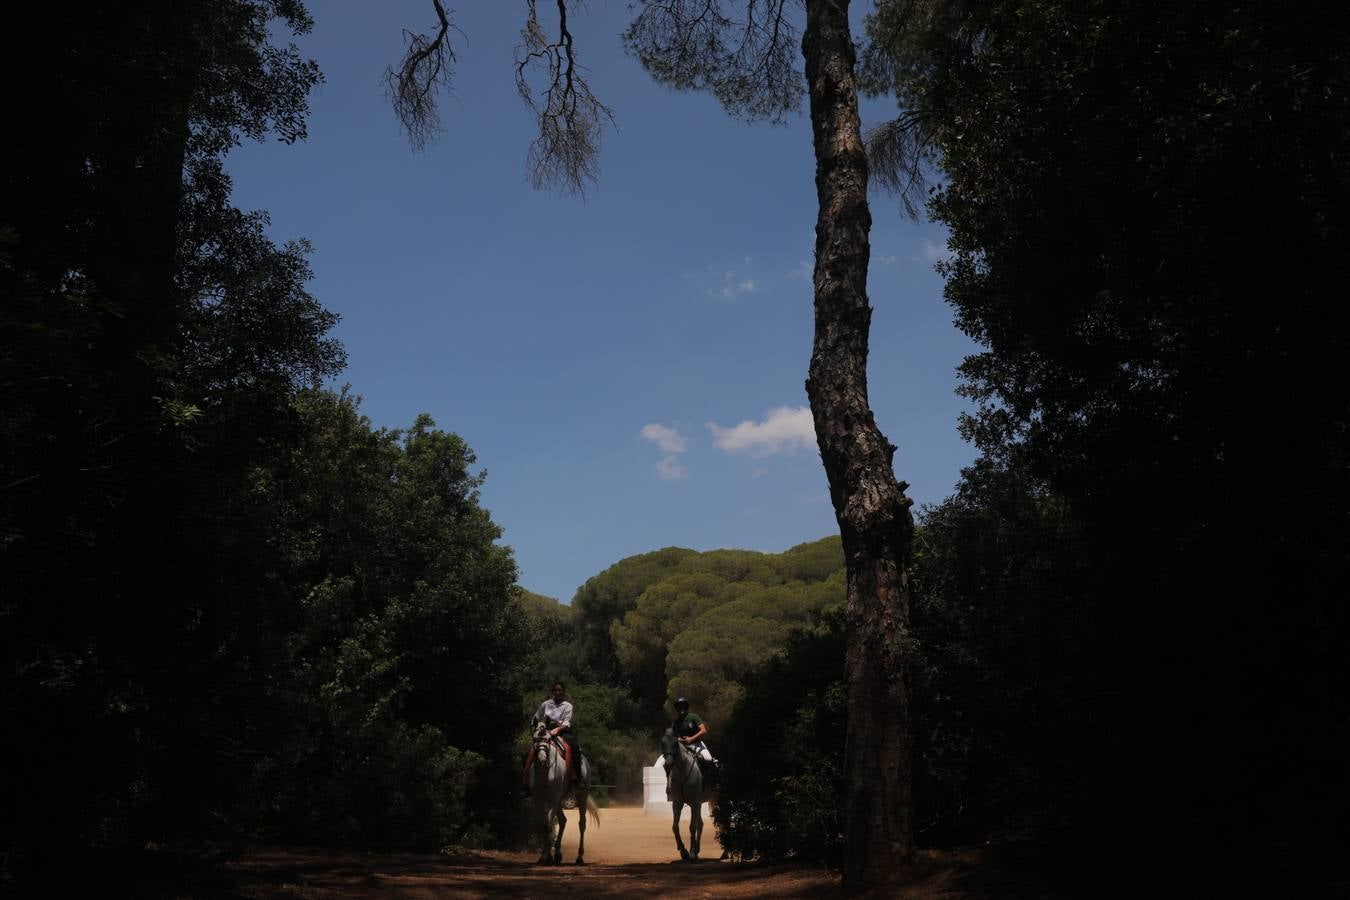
(871, 506)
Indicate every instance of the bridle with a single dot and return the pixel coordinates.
(545, 745)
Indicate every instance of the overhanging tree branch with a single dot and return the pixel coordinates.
(570, 118)
(749, 66)
(427, 67)
(898, 152)
(907, 39)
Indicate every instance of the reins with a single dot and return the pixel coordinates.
(556, 752)
(687, 760)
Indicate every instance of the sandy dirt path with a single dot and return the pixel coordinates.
(628, 855)
(627, 835)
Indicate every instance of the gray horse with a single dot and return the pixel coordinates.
(686, 788)
(549, 788)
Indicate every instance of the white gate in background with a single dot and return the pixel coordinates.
(654, 802)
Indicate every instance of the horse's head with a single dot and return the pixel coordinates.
(542, 742)
(669, 745)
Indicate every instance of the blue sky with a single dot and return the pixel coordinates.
(628, 366)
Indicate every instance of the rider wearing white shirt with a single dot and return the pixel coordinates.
(556, 714)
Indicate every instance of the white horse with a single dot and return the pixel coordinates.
(549, 787)
(686, 787)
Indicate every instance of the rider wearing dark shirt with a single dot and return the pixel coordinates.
(689, 725)
(691, 730)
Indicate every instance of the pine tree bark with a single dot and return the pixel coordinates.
(869, 503)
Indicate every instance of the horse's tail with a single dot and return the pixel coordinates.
(593, 809)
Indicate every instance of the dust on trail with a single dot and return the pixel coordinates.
(628, 855)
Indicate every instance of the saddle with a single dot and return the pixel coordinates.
(567, 758)
(573, 765)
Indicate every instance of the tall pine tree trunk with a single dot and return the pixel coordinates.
(873, 512)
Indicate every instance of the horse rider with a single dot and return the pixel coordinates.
(690, 730)
(556, 713)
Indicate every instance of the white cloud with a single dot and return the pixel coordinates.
(931, 252)
(731, 287)
(883, 260)
(783, 428)
(669, 468)
(671, 443)
(728, 282)
(738, 281)
(668, 439)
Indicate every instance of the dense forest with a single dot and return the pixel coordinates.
(233, 610)
(674, 622)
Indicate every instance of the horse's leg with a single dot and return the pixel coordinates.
(678, 807)
(542, 826)
(696, 813)
(581, 827)
(562, 825)
(695, 828)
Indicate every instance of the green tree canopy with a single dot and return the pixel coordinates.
(403, 670)
(697, 630)
(608, 596)
(154, 338)
(1146, 209)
